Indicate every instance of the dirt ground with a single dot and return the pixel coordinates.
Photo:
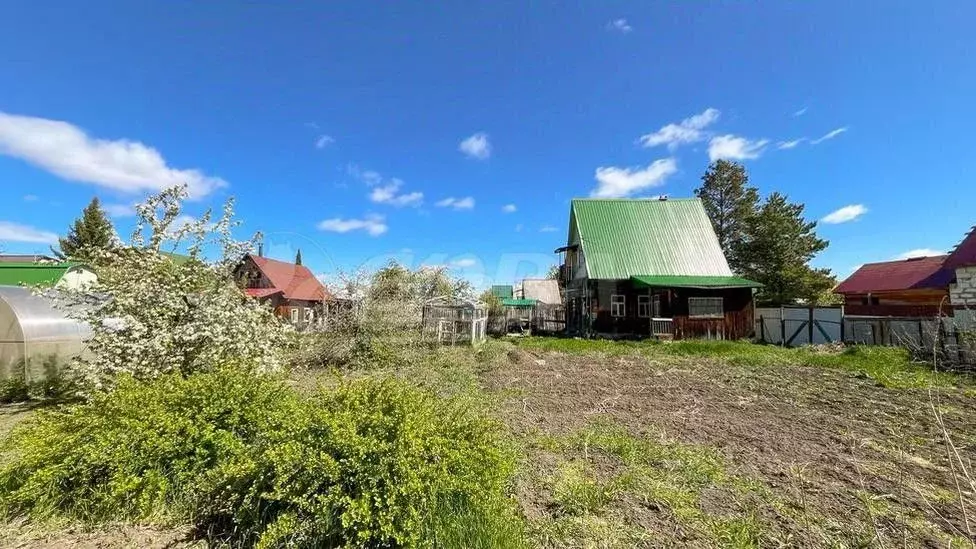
(810, 456)
(835, 448)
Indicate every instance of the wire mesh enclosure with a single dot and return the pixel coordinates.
(452, 322)
(36, 339)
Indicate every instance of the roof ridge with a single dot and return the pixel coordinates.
(907, 259)
(645, 199)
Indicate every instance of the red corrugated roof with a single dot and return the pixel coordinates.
(261, 292)
(906, 274)
(296, 281)
(965, 252)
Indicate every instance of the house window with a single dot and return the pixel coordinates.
(705, 307)
(294, 315)
(618, 305)
(644, 306)
(309, 315)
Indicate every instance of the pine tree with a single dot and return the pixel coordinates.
(729, 202)
(92, 231)
(298, 257)
(776, 251)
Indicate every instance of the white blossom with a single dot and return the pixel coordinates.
(152, 313)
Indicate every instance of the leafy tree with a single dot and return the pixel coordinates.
(777, 248)
(729, 202)
(491, 301)
(298, 257)
(91, 232)
(553, 273)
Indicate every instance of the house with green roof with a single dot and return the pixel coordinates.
(650, 268)
(65, 274)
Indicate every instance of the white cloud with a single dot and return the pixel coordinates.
(613, 182)
(181, 222)
(464, 262)
(465, 203)
(477, 146)
(800, 112)
(620, 25)
(387, 194)
(369, 177)
(518, 228)
(829, 135)
(31, 198)
(509, 208)
(548, 229)
(120, 210)
(790, 144)
(920, 252)
(733, 147)
(68, 152)
(373, 224)
(15, 232)
(845, 214)
(385, 191)
(689, 130)
(323, 141)
(312, 125)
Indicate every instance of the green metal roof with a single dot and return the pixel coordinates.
(621, 238)
(511, 302)
(694, 281)
(502, 291)
(20, 274)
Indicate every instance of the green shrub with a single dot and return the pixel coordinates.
(250, 462)
(372, 464)
(13, 389)
(140, 451)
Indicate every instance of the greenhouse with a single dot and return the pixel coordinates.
(449, 321)
(36, 339)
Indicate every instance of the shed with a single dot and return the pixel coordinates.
(36, 339)
(451, 321)
(503, 291)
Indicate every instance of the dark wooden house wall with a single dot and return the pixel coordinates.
(737, 322)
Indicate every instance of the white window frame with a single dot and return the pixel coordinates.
(644, 306)
(706, 307)
(294, 315)
(309, 315)
(618, 305)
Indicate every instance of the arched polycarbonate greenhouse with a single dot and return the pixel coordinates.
(36, 339)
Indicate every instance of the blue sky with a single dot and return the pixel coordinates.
(355, 130)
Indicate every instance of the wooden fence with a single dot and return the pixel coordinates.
(951, 340)
(945, 338)
(540, 319)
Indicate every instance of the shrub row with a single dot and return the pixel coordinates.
(249, 462)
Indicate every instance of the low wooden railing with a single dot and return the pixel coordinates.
(662, 326)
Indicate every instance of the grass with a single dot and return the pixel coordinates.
(888, 366)
(641, 486)
(696, 443)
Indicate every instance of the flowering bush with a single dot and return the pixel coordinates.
(152, 312)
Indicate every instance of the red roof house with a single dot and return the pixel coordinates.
(291, 289)
(910, 287)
